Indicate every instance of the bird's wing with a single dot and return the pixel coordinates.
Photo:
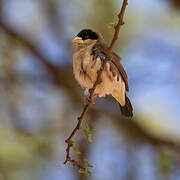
(100, 50)
(116, 61)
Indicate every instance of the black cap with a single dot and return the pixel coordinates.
(87, 34)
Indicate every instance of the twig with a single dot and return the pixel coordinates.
(91, 91)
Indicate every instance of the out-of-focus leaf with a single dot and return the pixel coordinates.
(89, 173)
(164, 161)
(85, 171)
(88, 164)
(76, 150)
(80, 128)
(88, 134)
(111, 25)
(82, 171)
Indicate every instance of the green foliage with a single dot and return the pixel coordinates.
(76, 150)
(85, 171)
(81, 171)
(89, 173)
(88, 134)
(111, 25)
(80, 128)
(88, 164)
(164, 160)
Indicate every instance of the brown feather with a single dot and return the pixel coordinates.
(126, 110)
(115, 59)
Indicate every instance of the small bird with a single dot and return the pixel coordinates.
(87, 61)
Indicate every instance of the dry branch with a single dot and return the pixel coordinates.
(91, 91)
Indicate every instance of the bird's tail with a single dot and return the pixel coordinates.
(127, 109)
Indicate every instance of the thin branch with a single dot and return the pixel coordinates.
(91, 91)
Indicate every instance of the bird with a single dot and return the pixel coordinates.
(91, 51)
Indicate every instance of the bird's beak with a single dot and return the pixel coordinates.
(77, 40)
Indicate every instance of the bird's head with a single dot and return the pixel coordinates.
(86, 37)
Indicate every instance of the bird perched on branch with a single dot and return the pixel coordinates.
(87, 61)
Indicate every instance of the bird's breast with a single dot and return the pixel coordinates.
(85, 68)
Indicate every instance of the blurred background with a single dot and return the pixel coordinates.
(40, 99)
